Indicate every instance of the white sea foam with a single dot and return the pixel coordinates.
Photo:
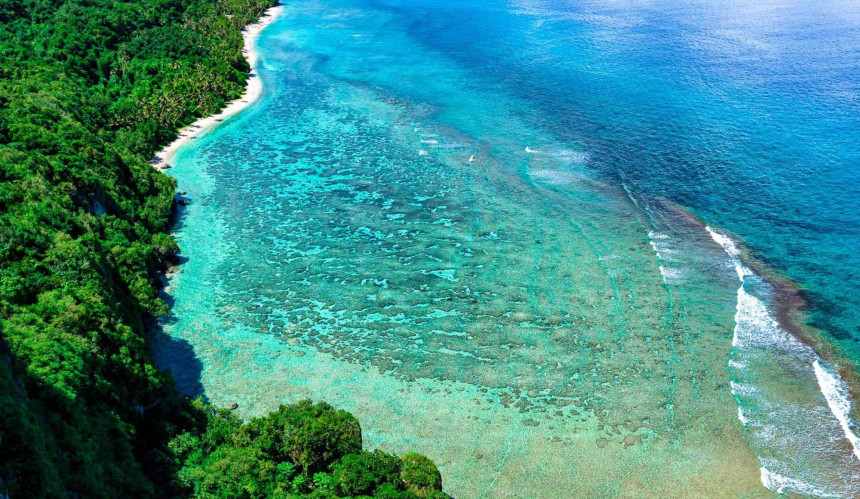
(755, 328)
(663, 273)
(779, 483)
(744, 421)
(836, 394)
(737, 365)
(756, 332)
(663, 246)
(731, 248)
(725, 242)
(664, 250)
(739, 389)
(672, 275)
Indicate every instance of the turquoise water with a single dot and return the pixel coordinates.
(478, 226)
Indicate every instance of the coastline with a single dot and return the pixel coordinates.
(791, 306)
(789, 310)
(253, 91)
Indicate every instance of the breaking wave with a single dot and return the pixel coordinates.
(800, 441)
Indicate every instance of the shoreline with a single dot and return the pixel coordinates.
(789, 308)
(790, 304)
(253, 91)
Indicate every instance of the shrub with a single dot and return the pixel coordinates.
(420, 475)
(310, 435)
(360, 474)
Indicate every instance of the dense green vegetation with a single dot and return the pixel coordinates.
(89, 89)
(298, 449)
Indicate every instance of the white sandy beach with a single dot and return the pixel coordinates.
(252, 92)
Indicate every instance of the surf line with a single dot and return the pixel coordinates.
(835, 392)
(832, 386)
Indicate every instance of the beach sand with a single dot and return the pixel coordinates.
(252, 92)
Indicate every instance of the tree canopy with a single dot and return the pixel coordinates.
(299, 449)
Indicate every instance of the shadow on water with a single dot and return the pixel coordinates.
(172, 354)
(177, 356)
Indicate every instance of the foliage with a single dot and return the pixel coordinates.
(362, 474)
(310, 435)
(299, 449)
(89, 89)
(421, 475)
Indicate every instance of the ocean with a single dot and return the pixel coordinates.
(560, 247)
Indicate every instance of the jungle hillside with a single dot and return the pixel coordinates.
(89, 91)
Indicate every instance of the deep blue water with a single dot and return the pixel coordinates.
(747, 113)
